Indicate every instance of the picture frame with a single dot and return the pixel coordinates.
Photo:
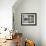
(29, 19)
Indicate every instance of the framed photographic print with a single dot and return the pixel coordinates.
(28, 18)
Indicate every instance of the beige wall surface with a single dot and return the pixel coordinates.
(35, 33)
(29, 32)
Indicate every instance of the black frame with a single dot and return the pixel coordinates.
(34, 14)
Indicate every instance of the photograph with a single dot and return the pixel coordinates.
(22, 22)
(28, 18)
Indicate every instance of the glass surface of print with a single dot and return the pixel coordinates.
(28, 19)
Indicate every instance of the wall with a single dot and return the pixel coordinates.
(43, 22)
(6, 13)
(29, 32)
